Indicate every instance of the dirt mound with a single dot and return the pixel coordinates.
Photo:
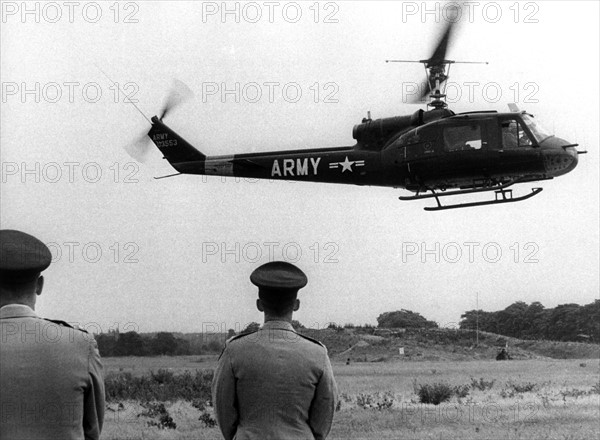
(362, 345)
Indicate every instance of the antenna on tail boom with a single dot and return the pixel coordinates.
(127, 99)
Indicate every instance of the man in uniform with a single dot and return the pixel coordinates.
(51, 384)
(275, 383)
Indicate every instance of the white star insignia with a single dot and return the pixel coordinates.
(346, 165)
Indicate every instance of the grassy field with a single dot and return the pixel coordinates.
(529, 399)
(143, 365)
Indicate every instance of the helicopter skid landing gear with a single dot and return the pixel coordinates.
(502, 195)
(506, 198)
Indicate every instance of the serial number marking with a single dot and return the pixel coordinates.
(167, 143)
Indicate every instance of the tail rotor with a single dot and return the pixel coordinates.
(179, 93)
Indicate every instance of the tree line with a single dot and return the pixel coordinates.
(159, 344)
(565, 322)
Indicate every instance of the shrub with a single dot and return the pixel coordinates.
(523, 387)
(165, 421)
(162, 386)
(575, 392)
(435, 394)
(162, 376)
(513, 389)
(481, 384)
(364, 400)
(153, 409)
(375, 401)
(199, 404)
(345, 397)
(207, 419)
(387, 402)
(439, 392)
(157, 409)
(461, 391)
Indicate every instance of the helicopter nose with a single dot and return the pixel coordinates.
(560, 157)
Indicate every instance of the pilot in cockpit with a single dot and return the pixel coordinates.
(509, 135)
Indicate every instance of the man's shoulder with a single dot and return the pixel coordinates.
(314, 341)
(57, 333)
(239, 336)
(243, 339)
(20, 313)
(63, 327)
(74, 333)
(66, 324)
(232, 342)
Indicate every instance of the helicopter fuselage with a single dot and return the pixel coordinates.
(427, 150)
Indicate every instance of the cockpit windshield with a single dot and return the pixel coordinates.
(540, 133)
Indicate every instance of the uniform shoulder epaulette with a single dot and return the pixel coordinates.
(65, 324)
(312, 340)
(234, 338)
(241, 335)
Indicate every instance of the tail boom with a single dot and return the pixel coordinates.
(332, 165)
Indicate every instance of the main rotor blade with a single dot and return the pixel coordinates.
(439, 53)
(178, 94)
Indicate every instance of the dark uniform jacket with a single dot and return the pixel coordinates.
(274, 384)
(51, 384)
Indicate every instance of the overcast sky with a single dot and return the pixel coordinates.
(176, 254)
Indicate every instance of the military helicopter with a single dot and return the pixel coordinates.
(434, 153)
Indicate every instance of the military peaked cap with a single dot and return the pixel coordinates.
(278, 275)
(22, 256)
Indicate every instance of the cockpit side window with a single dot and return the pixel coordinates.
(514, 136)
(462, 137)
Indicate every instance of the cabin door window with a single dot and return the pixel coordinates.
(463, 138)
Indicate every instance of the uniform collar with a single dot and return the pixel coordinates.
(280, 325)
(17, 311)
